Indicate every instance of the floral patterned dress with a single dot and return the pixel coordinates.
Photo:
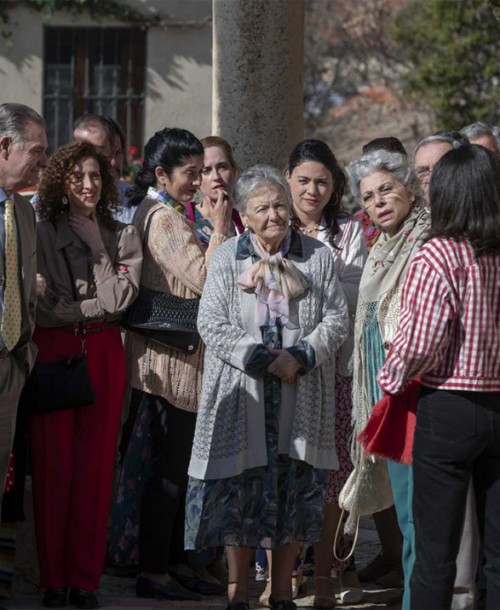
(269, 506)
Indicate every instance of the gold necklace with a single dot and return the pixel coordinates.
(308, 231)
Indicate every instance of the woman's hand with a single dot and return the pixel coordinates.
(285, 366)
(205, 208)
(87, 229)
(41, 285)
(219, 214)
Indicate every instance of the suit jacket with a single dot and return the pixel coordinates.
(25, 350)
(16, 365)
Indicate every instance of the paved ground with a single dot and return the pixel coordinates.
(117, 592)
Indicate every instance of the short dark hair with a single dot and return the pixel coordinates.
(320, 152)
(464, 196)
(390, 144)
(168, 149)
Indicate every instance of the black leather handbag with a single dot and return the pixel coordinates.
(164, 317)
(64, 384)
(55, 386)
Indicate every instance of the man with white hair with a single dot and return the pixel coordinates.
(484, 135)
(429, 151)
(23, 143)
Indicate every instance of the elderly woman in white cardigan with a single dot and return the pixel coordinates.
(272, 316)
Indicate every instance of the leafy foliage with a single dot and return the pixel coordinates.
(347, 47)
(97, 9)
(452, 50)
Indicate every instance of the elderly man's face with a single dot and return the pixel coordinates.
(425, 160)
(22, 163)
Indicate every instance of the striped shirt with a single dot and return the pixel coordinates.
(449, 329)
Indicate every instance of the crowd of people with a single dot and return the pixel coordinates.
(253, 431)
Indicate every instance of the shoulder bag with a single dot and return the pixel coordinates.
(64, 384)
(164, 317)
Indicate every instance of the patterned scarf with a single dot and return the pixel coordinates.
(275, 280)
(165, 198)
(377, 317)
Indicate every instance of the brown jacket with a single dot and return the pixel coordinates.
(106, 284)
(175, 262)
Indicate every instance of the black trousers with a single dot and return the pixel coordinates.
(161, 529)
(457, 437)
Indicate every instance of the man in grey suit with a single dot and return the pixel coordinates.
(23, 144)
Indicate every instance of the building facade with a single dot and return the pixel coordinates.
(146, 78)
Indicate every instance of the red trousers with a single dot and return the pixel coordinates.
(72, 453)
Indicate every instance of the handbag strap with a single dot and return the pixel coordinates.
(148, 227)
(336, 541)
(81, 328)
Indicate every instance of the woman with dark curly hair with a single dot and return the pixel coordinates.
(88, 273)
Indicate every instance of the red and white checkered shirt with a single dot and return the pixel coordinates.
(449, 329)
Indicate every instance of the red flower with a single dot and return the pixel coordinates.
(133, 152)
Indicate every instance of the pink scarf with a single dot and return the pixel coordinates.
(275, 281)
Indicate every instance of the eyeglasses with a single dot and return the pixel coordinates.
(424, 172)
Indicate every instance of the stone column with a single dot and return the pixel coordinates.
(258, 100)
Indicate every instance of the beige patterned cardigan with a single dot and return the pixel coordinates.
(174, 261)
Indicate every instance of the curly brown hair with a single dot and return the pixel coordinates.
(55, 178)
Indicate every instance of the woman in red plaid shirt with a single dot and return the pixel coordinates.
(449, 336)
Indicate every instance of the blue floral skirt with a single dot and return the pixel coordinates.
(268, 506)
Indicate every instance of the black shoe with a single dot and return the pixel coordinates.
(145, 587)
(81, 598)
(55, 598)
(480, 601)
(203, 587)
(283, 604)
(238, 606)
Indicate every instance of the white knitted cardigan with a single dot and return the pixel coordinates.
(230, 427)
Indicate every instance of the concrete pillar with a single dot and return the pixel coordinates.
(258, 100)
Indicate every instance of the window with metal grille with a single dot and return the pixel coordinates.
(93, 70)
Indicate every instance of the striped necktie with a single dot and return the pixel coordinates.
(11, 319)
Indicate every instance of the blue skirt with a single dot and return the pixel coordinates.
(268, 506)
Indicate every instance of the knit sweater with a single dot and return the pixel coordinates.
(230, 427)
(174, 262)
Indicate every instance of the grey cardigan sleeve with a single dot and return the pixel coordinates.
(231, 343)
(332, 331)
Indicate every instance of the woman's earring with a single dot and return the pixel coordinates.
(65, 200)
